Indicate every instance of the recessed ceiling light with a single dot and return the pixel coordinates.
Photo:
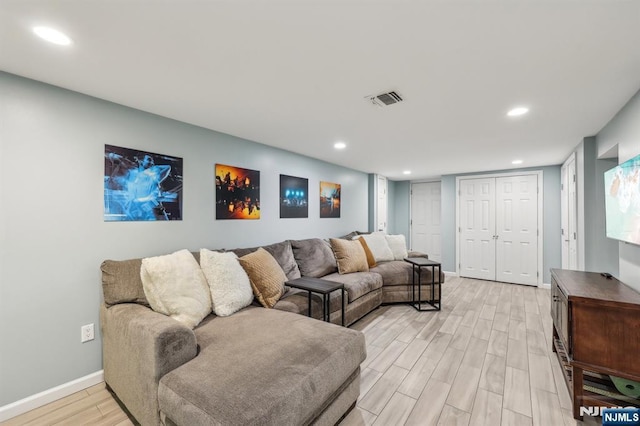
(516, 162)
(406, 172)
(515, 112)
(340, 145)
(52, 36)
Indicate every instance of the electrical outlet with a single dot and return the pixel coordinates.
(86, 333)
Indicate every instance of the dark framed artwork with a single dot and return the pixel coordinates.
(329, 199)
(141, 186)
(294, 197)
(237, 193)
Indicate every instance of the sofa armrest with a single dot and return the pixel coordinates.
(417, 254)
(139, 347)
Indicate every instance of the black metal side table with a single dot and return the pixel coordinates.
(417, 263)
(319, 286)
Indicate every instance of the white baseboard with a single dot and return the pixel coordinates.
(545, 285)
(450, 274)
(43, 398)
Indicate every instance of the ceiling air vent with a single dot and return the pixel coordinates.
(385, 99)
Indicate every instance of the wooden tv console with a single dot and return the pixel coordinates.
(596, 333)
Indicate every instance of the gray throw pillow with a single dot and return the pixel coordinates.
(121, 282)
(314, 257)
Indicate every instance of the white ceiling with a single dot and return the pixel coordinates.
(294, 74)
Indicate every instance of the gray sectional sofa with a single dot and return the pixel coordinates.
(386, 283)
(256, 367)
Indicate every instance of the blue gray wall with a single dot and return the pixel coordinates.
(596, 252)
(551, 218)
(53, 238)
(623, 132)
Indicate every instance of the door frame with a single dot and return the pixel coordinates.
(540, 175)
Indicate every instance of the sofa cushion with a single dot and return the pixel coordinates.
(301, 365)
(294, 300)
(398, 272)
(314, 257)
(297, 301)
(350, 256)
(282, 253)
(228, 282)
(379, 247)
(121, 282)
(175, 286)
(357, 284)
(398, 246)
(266, 276)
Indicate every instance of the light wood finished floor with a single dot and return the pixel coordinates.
(485, 359)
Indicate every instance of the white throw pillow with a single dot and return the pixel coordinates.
(175, 286)
(398, 246)
(379, 247)
(228, 282)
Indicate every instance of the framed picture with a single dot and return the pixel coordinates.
(237, 193)
(141, 186)
(294, 197)
(329, 199)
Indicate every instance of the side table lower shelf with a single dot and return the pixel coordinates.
(589, 388)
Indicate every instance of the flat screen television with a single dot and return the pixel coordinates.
(622, 201)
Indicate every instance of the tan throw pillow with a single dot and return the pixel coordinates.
(350, 256)
(265, 275)
(371, 261)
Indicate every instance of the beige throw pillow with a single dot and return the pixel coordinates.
(228, 282)
(398, 246)
(265, 275)
(350, 256)
(379, 247)
(175, 286)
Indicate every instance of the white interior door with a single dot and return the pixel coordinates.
(569, 215)
(381, 213)
(426, 231)
(477, 228)
(499, 225)
(516, 238)
(564, 214)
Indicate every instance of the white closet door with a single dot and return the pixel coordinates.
(517, 229)
(564, 215)
(477, 228)
(573, 217)
(426, 234)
